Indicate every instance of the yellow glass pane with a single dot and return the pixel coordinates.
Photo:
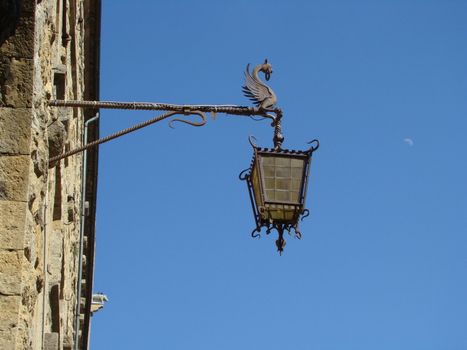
(280, 212)
(256, 187)
(297, 173)
(282, 162)
(268, 161)
(282, 184)
(294, 196)
(277, 214)
(270, 195)
(283, 172)
(269, 183)
(289, 215)
(268, 171)
(297, 163)
(282, 196)
(295, 185)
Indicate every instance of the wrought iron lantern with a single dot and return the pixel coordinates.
(277, 184)
(277, 178)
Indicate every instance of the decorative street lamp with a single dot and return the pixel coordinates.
(277, 178)
(277, 184)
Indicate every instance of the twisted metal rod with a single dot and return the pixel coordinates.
(159, 118)
(173, 110)
(150, 106)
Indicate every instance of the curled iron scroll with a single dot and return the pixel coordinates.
(244, 174)
(298, 233)
(315, 145)
(255, 233)
(201, 123)
(252, 141)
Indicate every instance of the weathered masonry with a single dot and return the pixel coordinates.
(49, 49)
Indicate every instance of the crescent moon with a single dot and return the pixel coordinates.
(409, 141)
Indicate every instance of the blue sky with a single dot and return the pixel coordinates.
(383, 261)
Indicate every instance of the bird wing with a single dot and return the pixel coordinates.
(254, 89)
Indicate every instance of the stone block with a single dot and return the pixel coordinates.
(12, 224)
(21, 43)
(56, 138)
(14, 173)
(10, 312)
(10, 273)
(16, 82)
(55, 256)
(51, 341)
(7, 340)
(15, 130)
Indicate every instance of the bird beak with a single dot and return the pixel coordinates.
(267, 76)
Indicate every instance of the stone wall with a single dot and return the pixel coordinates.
(43, 55)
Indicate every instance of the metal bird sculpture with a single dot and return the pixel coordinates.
(257, 91)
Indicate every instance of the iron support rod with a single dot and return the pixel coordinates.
(86, 145)
(150, 106)
(171, 110)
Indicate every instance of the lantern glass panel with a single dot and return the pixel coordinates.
(277, 181)
(277, 184)
(280, 212)
(256, 187)
(282, 178)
